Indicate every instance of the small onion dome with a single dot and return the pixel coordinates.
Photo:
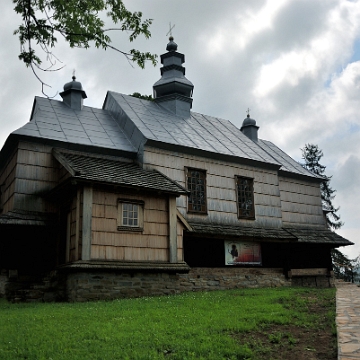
(73, 85)
(171, 46)
(248, 121)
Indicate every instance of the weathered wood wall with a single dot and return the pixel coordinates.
(300, 202)
(150, 245)
(75, 224)
(221, 189)
(35, 174)
(7, 183)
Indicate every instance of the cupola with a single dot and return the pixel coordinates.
(173, 91)
(249, 128)
(73, 94)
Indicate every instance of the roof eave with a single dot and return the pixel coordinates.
(75, 180)
(298, 176)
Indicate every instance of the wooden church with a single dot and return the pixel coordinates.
(147, 197)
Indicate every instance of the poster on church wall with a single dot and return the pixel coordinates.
(242, 253)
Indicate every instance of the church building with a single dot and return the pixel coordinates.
(148, 197)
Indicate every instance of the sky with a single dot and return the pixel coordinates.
(294, 63)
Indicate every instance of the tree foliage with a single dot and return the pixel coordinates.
(343, 267)
(312, 156)
(145, 97)
(79, 23)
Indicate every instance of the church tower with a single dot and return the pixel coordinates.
(173, 91)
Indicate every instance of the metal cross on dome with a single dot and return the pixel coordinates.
(248, 112)
(170, 31)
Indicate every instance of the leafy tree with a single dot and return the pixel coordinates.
(145, 97)
(79, 22)
(312, 156)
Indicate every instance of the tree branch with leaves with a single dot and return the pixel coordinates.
(79, 23)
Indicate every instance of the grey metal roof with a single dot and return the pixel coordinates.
(126, 123)
(288, 164)
(54, 120)
(240, 230)
(197, 132)
(112, 171)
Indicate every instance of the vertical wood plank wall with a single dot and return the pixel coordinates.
(110, 244)
(221, 191)
(300, 202)
(86, 223)
(172, 230)
(7, 183)
(75, 227)
(36, 173)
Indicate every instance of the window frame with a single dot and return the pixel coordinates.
(239, 201)
(120, 220)
(190, 207)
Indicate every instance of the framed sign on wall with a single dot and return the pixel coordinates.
(242, 253)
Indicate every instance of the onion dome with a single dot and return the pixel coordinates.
(73, 85)
(249, 128)
(171, 46)
(73, 94)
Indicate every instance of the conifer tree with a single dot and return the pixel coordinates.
(312, 156)
(343, 267)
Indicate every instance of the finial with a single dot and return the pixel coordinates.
(248, 112)
(74, 77)
(170, 32)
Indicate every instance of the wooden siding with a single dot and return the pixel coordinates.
(75, 227)
(300, 202)
(221, 189)
(36, 174)
(7, 183)
(180, 241)
(152, 244)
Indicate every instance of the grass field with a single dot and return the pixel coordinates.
(234, 324)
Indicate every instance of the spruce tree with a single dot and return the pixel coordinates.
(343, 267)
(312, 156)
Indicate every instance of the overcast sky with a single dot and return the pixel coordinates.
(294, 63)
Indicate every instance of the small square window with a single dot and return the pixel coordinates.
(245, 197)
(130, 215)
(196, 184)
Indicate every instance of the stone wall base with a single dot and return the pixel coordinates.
(87, 285)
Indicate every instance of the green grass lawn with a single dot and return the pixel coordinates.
(204, 325)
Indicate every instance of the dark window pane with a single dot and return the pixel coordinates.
(196, 184)
(245, 197)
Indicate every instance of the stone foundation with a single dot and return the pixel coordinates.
(92, 284)
(84, 286)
